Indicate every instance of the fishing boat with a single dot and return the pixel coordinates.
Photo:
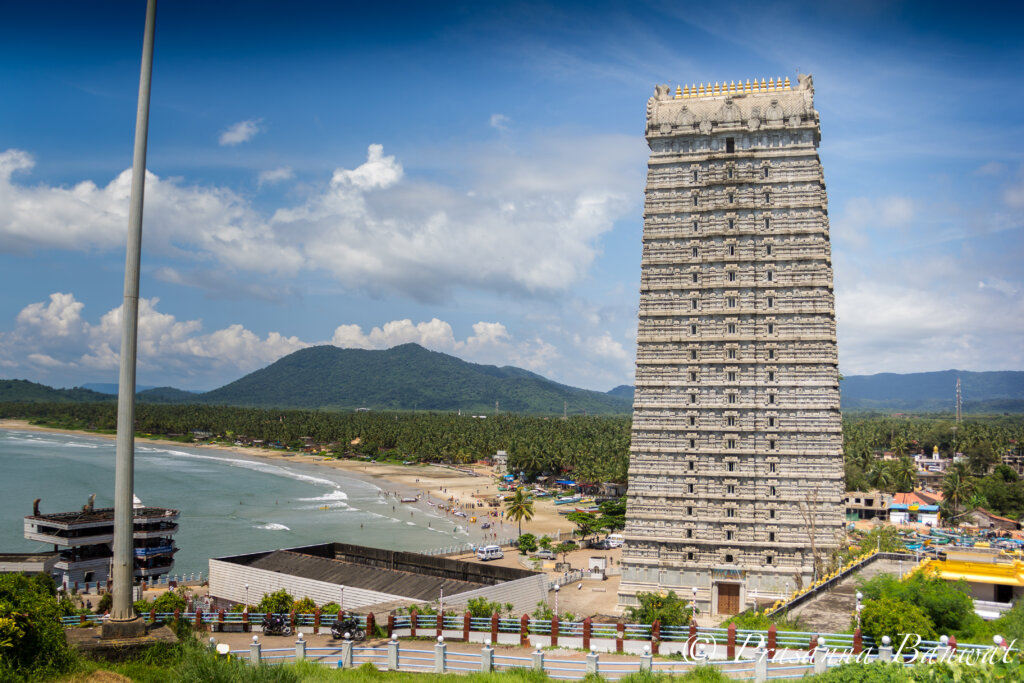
(485, 525)
(409, 500)
(460, 513)
(568, 499)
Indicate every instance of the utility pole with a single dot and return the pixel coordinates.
(123, 622)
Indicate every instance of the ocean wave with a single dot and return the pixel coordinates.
(263, 467)
(336, 494)
(273, 526)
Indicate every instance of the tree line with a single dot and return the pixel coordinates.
(587, 448)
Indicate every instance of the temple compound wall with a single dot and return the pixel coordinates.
(736, 470)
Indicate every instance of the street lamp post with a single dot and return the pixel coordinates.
(556, 599)
(246, 598)
(859, 607)
(693, 602)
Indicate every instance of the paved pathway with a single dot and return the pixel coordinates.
(831, 612)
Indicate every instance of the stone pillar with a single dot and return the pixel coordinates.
(393, 654)
(592, 662)
(820, 656)
(440, 656)
(885, 650)
(646, 659)
(538, 659)
(346, 653)
(761, 665)
(524, 630)
(487, 658)
(655, 636)
(255, 651)
(730, 642)
(300, 647)
(586, 633)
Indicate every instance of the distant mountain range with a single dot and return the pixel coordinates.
(409, 377)
(983, 392)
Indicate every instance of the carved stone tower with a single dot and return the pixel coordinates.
(736, 470)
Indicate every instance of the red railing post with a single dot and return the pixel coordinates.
(586, 634)
(858, 641)
(772, 635)
(952, 644)
(812, 644)
(220, 620)
(245, 621)
(691, 638)
(412, 623)
(371, 624)
(655, 636)
(177, 614)
(554, 630)
(730, 643)
(292, 619)
(82, 619)
(316, 621)
(199, 619)
(620, 634)
(440, 624)
(524, 630)
(152, 615)
(391, 626)
(465, 626)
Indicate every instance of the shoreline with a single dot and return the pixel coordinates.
(436, 484)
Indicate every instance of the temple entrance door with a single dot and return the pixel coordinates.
(728, 598)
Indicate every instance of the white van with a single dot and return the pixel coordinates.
(615, 540)
(489, 552)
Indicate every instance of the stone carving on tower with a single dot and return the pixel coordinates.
(736, 471)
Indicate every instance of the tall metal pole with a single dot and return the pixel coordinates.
(124, 481)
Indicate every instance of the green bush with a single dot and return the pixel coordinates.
(482, 607)
(106, 601)
(527, 543)
(895, 618)
(669, 609)
(32, 643)
(278, 602)
(330, 608)
(304, 606)
(947, 603)
(169, 601)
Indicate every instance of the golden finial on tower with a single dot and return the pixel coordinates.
(764, 88)
(686, 92)
(732, 86)
(701, 90)
(787, 82)
(679, 93)
(771, 85)
(747, 87)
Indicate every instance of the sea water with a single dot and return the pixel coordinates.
(230, 503)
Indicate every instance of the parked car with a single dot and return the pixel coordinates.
(545, 554)
(601, 545)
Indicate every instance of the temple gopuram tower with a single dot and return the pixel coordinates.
(736, 468)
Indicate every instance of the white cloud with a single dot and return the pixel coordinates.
(54, 335)
(527, 224)
(240, 132)
(991, 168)
(275, 175)
(500, 121)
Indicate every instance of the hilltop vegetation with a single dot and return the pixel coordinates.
(23, 390)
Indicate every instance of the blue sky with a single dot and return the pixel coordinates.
(470, 177)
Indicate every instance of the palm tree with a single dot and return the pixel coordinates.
(904, 474)
(519, 508)
(881, 476)
(957, 487)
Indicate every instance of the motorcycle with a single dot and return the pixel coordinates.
(349, 625)
(276, 625)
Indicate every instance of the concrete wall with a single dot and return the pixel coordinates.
(524, 594)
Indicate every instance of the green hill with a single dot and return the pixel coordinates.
(166, 395)
(406, 377)
(23, 391)
(996, 391)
